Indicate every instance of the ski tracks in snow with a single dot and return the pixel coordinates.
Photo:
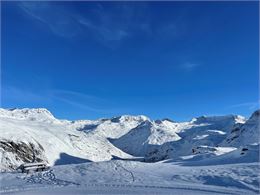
(48, 178)
(126, 170)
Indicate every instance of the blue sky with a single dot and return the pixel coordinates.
(87, 60)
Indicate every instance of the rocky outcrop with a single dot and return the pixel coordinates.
(14, 153)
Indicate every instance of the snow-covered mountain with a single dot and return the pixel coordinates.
(31, 135)
(34, 114)
(245, 133)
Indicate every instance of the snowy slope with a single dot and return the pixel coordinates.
(145, 136)
(231, 155)
(34, 114)
(128, 177)
(201, 131)
(28, 135)
(207, 155)
(112, 128)
(244, 134)
(48, 139)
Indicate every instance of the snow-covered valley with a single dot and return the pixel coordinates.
(129, 154)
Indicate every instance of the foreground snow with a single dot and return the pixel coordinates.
(129, 177)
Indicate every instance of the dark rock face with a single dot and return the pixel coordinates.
(249, 131)
(22, 152)
(256, 113)
(167, 119)
(115, 119)
(87, 127)
(155, 156)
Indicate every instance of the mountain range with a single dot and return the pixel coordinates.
(35, 135)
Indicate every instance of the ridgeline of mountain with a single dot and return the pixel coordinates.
(33, 135)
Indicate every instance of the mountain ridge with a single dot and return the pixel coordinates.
(45, 138)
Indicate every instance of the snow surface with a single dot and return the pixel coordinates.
(128, 177)
(207, 155)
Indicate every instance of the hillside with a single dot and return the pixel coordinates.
(31, 135)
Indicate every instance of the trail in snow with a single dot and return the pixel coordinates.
(112, 177)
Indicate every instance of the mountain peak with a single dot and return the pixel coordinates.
(255, 115)
(125, 118)
(40, 114)
(209, 119)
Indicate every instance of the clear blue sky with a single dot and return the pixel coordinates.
(87, 60)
